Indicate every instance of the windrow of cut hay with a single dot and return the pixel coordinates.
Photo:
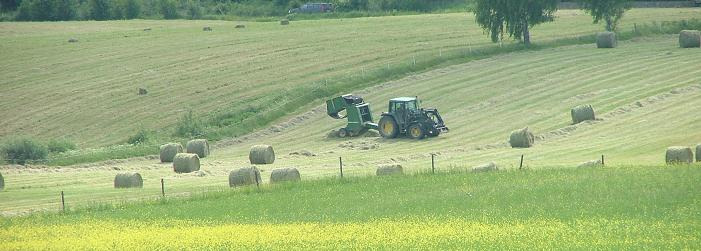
(128, 180)
(261, 155)
(606, 40)
(284, 175)
(168, 151)
(244, 176)
(582, 113)
(389, 169)
(186, 163)
(679, 155)
(690, 39)
(199, 147)
(521, 138)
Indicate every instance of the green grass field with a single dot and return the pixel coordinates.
(565, 208)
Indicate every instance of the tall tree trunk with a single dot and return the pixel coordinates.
(609, 24)
(526, 34)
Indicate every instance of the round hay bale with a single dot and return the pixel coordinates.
(198, 146)
(591, 163)
(582, 113)
(389, 169)
(284, 175)
(244, 176)
(186, 163)
(128, 180)
(488, 167)
(521, 138)
(143, 91)
(2, 182)
(284, 22)
(689, 39)
(72, 40)
(261, 155)
(240, 26)
(679, 155)
(168, 151)
(698, 153)
(606, 40)
(206, 28)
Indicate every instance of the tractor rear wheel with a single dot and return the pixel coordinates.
(416, 132)
(388, 127)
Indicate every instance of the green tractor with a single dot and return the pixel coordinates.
(404, 117)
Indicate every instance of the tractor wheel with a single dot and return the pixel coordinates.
(342, 133)
(388, 127)
(416, 132)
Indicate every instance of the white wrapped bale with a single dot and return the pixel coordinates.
(128, 180)
(389, 169)
(198, 146)
(168, 151)
(261, 155)
(284, 175)
(244, 177)
(679, 155)
(186, 163)
(591, 163)
(488, 167)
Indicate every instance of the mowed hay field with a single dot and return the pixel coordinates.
(643, 92)
(87, 91)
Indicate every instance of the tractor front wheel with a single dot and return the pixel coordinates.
(388, 127)
(342, 133)
(416, 132)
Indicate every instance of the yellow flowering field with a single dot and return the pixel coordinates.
(411, 233)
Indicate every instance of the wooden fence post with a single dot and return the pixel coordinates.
(520, 165)
(433, 164)
(63, 202)
(340, 165)
(163, 189)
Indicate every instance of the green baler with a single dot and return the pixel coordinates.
(357, 112)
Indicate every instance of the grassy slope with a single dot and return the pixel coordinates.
(482, 102)
(608, 208)
(86, 91)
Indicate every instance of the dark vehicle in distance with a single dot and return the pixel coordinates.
(313, 8)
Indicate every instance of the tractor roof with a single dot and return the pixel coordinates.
(403, 99)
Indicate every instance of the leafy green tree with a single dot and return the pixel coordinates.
(514, 18)
(65, 9)
(610, 11)
(23, 149)
(194, 9)
(133, 9)
(99, 9)
(169, 9)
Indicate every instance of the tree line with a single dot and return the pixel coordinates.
(61, 10)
